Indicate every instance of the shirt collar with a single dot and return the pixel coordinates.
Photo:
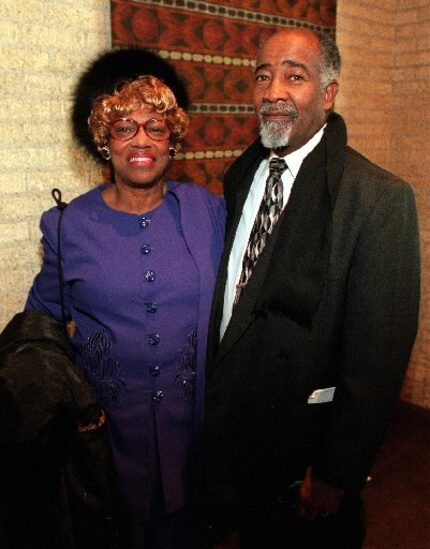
(294, 160)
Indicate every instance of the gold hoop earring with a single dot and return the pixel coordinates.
(105, 153)
(172, 152)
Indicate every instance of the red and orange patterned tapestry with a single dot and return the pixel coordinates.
(212, 46)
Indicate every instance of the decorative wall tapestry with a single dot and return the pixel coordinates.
(212, 46)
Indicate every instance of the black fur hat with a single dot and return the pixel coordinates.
(104, 74)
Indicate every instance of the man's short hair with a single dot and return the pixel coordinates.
(330, 57)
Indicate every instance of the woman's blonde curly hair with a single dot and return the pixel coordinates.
(145, 92)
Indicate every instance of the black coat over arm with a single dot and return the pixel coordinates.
(57, 482)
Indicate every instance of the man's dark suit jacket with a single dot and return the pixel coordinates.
(332, 302)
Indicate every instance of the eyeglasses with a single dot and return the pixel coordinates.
(126, 128)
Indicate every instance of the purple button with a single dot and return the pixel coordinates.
(144, 222)
(150, 276)
(157, 396)
(153, 339)
(154, 370)
(151, 307)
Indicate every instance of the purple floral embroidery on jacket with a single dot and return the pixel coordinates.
(186, 367)
(102, 368)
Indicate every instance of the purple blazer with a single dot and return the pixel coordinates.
(139, 288)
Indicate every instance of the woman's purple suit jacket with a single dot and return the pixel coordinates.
(105, 247)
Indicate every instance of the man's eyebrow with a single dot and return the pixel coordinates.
(288, 62)
(296, 64)
(262, 67)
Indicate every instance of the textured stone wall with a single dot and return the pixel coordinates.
(44, 46)
(385, 98)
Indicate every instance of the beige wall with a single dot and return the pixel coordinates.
(45, 44)
(385, 99)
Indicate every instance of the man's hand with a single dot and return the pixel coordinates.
(317, 499)
(231, 542)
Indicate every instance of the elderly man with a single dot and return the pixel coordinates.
(314, 315)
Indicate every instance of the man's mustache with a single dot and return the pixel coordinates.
(281, 107)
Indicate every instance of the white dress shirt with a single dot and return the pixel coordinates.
(250, 209)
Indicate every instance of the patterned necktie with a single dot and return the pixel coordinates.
(268, 214)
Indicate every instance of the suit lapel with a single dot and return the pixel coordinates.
(290, 274)
(301, 251)
(291, 271)
(244, 311)
(240, 183)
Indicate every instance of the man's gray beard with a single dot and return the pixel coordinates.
(275, 133)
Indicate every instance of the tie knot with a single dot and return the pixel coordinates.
(277, 166)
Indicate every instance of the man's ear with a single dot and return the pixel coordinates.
(330, 95)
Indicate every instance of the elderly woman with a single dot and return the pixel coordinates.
(139, 258)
